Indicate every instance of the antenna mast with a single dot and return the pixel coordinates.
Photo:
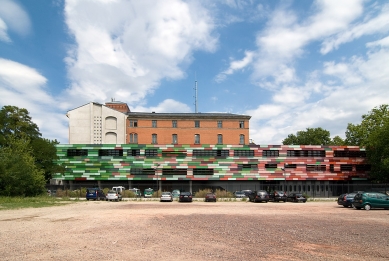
(195, 94)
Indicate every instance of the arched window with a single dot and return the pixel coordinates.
(219, 139)
(241, 139)
(197, 139)
(110, 138)
(133, 138)
(110, 123)
(154, 138)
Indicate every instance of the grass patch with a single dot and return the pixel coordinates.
(30, 202)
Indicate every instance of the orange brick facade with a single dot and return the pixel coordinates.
(185, 131)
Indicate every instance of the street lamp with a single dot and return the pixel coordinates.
(284, 174)
(157, 174)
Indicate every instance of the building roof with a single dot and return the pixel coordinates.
(200, 115)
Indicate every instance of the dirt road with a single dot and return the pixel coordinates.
(194, 231)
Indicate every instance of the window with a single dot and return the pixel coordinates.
(290, 166)
(346, 167)
(241, 139)
(76, 152)
(181, 172)
(247, 166)
(211, 153)
(140, 171)
(151, 153)
(219, 124)
(174, 139)
(243, 153)
(270, 153)
(316, 167)
(219, 139)
(349, 153)
(111, 152)
(174, 154)
(306, 153)
(133, 152)
(202, 171)
(197, 124)
(271, 166)
(363, 167)
(154, 123)
(133, 138)
(133, 123)
(241, 124)
(154, 138)
(197, 139)
(174, 123)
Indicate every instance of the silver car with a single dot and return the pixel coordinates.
(113, 195)
(166, 196)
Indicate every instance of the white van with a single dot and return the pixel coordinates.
(119, 189)
(136, 191)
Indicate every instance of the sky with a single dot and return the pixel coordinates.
(290, 65)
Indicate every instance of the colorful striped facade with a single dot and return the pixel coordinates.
(145, 164)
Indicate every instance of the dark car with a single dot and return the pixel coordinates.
(239, 194)
(369, 200)
(259, 196)
(185, 197)
(210, 197)
(247, 192)
(297, 197)
(346, 199)
(277, 196)
(95, 194)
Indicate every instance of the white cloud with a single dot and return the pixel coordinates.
(235, 66)
(378, 24)
(24, 87)
(124, 48)
(13, 17)
(168, 106)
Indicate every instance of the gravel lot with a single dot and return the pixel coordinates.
(89, 230)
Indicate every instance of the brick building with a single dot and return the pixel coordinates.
(191, 151)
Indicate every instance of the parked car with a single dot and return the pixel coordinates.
(346, 199)
(296, 197)
(136, 191)
(259, 196)
(113, 195)
(247, 192)
(369, 200)
(166, 196)
(95, 194)
(176, 193)
(185, 197)
(210, 197)
(239, 194)
(148, 193)
(277, 196)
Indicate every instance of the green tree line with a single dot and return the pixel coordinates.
(27, 160)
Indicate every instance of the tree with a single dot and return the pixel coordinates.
(373, 134)
(19, 176)
(337, 141)
(358, 134)
(312, 136)
(45, 154)
(377, 148)
(17, 123)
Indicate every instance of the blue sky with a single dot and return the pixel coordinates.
(289, 64)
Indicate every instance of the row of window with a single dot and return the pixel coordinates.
(154, 138)
(213, 153)
(205, 171)
(134, 124)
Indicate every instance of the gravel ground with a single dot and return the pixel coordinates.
(146, 230)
